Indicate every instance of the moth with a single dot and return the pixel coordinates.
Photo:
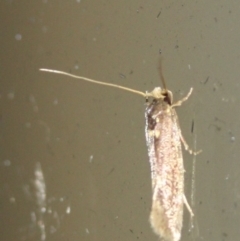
(163, 138)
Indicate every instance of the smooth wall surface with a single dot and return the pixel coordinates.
(73, 159)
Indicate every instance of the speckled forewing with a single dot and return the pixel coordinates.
(165, 156)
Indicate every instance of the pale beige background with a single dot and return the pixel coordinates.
(84, 145)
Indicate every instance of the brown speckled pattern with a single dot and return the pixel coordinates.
(167, 171)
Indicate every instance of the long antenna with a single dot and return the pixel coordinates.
(97, 82)
(161, 75)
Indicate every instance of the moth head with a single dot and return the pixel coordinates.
(156, 93)
(159, 93)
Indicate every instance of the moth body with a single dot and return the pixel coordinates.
(163, 137)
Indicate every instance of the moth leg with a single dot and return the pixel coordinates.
(178, 103)
(187, 205)
(186, 146)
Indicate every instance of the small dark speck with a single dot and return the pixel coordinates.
(131, 230)
(159, 14)
(131, 72)
(217, 127)
(224, 234)
(235, 205)
(192, 128)
(176, 47)
(111, 171)
(219, 120)
(216, 20)
(205, 81)
(122, 76)
(140, 8)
